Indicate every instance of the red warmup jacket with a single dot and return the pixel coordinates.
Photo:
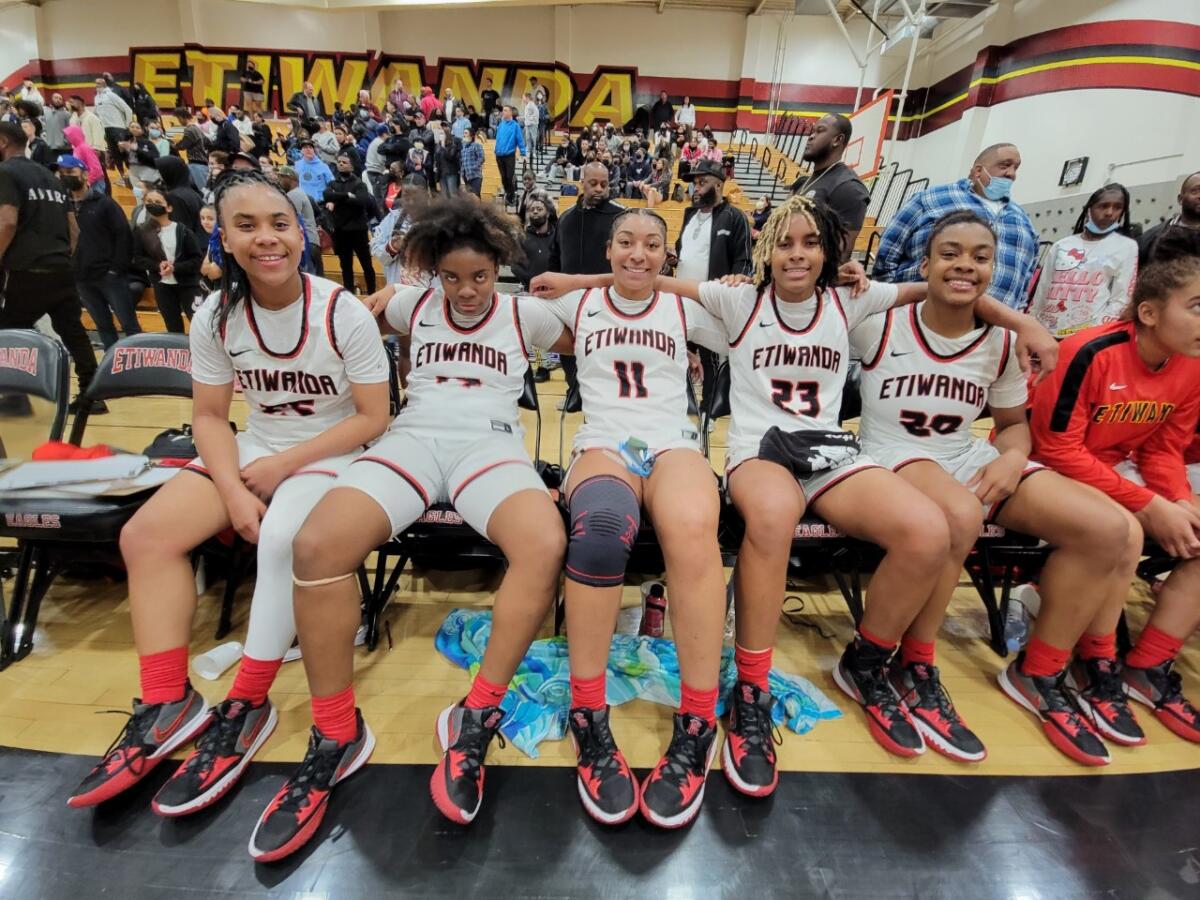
(1103, 405)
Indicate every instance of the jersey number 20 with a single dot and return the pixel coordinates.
(921, 425)
(631, 380)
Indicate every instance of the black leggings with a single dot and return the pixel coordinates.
(27, 296)
(174, 302)
(347, 245)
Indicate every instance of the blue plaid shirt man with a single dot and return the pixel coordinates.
(903, 243)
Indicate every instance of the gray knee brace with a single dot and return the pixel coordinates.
(605, 518)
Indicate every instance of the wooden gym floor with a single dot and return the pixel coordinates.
(1022, 824)
(83, 661)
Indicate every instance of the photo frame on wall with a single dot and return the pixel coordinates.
(1073, 171)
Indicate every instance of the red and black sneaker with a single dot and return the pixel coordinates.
(457, 782)
(606, 786)
(1102, 696)
(861, 673)
(919, 687)
(1161, 688)
(221, 756)
(674, 789)
(295, 812)
(153, 731)
(748, 756)
(1054, 702)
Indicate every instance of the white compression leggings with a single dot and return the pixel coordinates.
(272, 622)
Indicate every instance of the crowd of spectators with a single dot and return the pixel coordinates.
(356, 175)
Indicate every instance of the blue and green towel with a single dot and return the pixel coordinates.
(539, 695)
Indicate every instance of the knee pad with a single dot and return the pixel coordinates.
(605, 518)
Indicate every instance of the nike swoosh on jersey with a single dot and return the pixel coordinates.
(1117, 387)
(426, 324)
(240, 352)
(593, 312)
(905, 353)
(766, 324)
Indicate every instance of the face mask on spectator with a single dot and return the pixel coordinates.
(537, 220)
(1096, 229)
(72, 182)
(155, 132)
(156, 209)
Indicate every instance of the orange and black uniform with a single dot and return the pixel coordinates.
(1104, 405)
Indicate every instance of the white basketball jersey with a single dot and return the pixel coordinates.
(916, 394)
(785, 377)
(294, 378)
(465, 379)
(633, 373)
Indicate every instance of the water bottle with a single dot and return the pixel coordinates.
(1016, 625)
(654, 609)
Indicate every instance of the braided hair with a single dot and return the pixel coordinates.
(824, 222)
(444, 226)
(640, 212)
(1123, 228)
(235, 284)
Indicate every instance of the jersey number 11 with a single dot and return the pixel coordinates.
(631, 380)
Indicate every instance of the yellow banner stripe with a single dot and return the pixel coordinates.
(1016, 73)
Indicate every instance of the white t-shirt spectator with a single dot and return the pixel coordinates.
(695, 248)
(686, 115)
(1085, 283)
(169, 237)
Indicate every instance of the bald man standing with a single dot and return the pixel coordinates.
(987, 191)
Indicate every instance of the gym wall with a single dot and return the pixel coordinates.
(1082, 90)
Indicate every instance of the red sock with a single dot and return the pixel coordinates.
(914, 651)
(701, 704)
(484, 694)
(886, 646)
(588, 693)
(1043, 659)
(335, 716)
(1153, 648)
(752, 665)
(254, 679)
(1097, 646)
(164, 675)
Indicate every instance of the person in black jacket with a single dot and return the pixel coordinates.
(144, 107)
(39, 150)
(541, 227)
(447, 160)
(103, 254)
(348, 199)
(713, 242)
(581, 242)
(170, 254)
(183, 198)
(228, 137)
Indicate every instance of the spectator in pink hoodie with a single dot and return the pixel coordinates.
(82, 150)
(429, 102)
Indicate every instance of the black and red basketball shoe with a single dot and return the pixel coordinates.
(674, 789)
(748, 756)
(861, 673)
(1054, 702)
(606, 786)
(153, 731)
(457, 782)
(295, 812)
(222, 753)
(919, 687)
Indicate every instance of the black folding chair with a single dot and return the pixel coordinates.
(440, 539)
(62, 531)
(31, 365)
